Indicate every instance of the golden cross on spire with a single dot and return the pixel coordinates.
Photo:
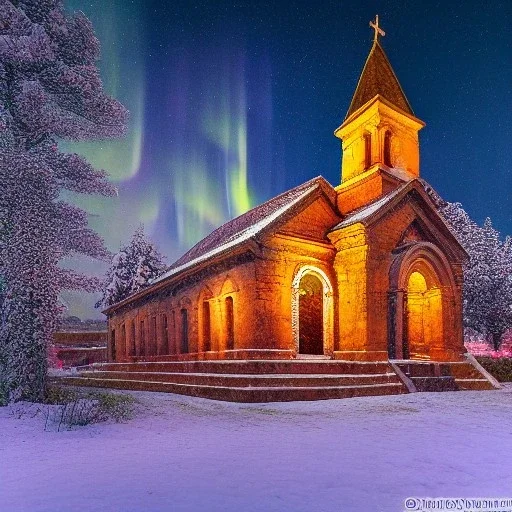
(378, 30)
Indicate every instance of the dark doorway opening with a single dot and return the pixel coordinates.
(311, 329)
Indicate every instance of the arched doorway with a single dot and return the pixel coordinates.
(311, 322)
(424, 315)
(312, 314)
(421, 295)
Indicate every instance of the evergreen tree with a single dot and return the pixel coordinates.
(50, 90)
(487, 275)
(132, 269)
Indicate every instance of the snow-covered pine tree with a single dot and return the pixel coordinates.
(116, 286)
(50, 90)
(132, 269)
(487, 275)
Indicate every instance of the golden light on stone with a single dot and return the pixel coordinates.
(417, 283)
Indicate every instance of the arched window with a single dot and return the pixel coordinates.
(206, 327)
(152, 345)
(367, 150)
(132, 341)
(123, 347)
(113, 344)
(165, 335)
(230, 324)
(174, 336)
(142, 339)
(184, 331)
(387, 149)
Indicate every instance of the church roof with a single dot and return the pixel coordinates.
(364, 213)
(378, 78)
(373, 211)
(246, 226)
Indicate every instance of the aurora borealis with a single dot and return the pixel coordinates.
(183, 169)
(234, 102)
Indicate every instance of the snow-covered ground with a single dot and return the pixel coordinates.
(186, 454)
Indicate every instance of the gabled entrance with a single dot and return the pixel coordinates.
(421, 300)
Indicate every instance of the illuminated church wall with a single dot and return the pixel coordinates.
(263, 299)
(350, 269)
(159, 322)
(364, 140)
(283, 257)
(247, 305)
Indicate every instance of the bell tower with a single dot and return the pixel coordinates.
(379, 135)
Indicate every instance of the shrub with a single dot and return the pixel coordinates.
(78, 407)
(56, 395)
(114, 406)
(500, 368)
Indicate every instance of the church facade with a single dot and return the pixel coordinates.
(363, 271)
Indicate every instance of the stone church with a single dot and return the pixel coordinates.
(366, 271)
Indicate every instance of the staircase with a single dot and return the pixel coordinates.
(436, 376)
(247, 380)
(467, 377)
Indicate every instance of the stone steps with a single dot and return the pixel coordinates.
(449, 376)
(467, 377)
(418, 369)
(251, 367)
(464, 370)
(435, 384)
(246, 380)
(473, 384)
(280, 380)
(241, 394)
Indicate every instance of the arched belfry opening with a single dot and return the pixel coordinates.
(421, 288)
(312, 312)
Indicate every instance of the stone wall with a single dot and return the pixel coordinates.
(155, 327)
(262, 294)
(282, 258)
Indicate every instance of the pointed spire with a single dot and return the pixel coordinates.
(378, 77)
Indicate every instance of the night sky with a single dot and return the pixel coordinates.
(234, 102)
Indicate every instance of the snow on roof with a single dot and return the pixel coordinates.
(364, 212)
(399, 173)
(241, 228)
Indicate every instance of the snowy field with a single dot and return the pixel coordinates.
(187, 454)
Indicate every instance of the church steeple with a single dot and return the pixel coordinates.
(379, 78)
(380, 132)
